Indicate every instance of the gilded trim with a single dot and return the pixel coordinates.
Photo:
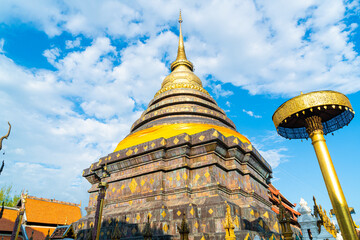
(309, 100)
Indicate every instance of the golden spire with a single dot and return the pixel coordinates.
(181, 48)
(181, 56)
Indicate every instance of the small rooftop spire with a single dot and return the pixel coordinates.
(180, 19)
(181, 48)
(181, 56)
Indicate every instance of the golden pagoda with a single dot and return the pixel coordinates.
(182, 156)
(182, 105)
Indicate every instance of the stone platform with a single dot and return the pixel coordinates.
(193, 174)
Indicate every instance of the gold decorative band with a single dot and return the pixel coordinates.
(182, 85)
(317, 99)
(179, 62)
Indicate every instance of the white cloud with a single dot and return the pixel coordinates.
(43, 14)
(69, 44)
(19, 151)
(218, 91)
(257, 45)
(63, 120)
(274, 156)
(251, 114)
(51, 54)
(2, 41)
(270, 146)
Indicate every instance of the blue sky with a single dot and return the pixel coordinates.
(74, 76)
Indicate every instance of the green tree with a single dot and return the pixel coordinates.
(10, 199)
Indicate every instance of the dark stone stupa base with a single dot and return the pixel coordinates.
(193, 174)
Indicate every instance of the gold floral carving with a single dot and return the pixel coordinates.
(181, 85)
(312, 124)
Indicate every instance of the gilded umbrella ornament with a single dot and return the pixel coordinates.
(312, 115)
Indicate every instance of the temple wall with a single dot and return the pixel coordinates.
(185, 176)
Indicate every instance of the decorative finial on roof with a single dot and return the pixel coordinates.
(181, 56)
(25, 196)
(8, 133)
(180, 19)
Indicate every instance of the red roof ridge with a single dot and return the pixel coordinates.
(53, 201)
(273, 189)
(291, 209)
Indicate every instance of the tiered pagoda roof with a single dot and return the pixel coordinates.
(182, 105)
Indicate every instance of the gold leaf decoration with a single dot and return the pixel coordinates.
(133, 185)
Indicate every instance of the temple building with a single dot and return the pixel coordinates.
(276, 199)
(182, 156)
(41, 217)
(7, 222)
(316, 225)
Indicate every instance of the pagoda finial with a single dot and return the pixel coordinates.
(181, 56)
(180, 18)
(181, 48)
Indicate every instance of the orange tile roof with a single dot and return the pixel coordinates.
(8, 219)
(51, 211)
(39, 232)
(275, 194)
